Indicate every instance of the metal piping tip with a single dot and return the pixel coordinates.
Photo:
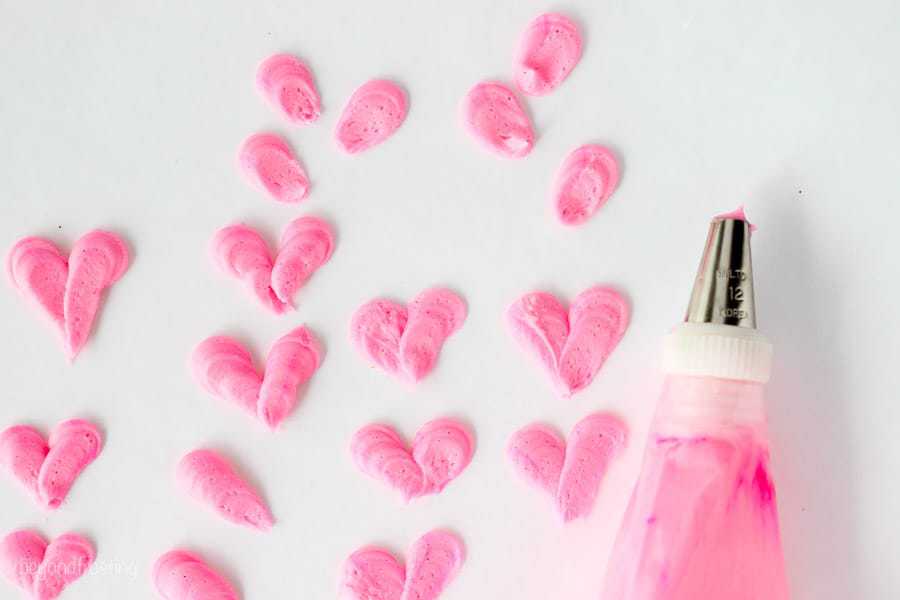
(723, 289)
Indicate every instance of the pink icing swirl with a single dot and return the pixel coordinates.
(549, 50)
(44, 570)
(210, 479)
(181, 575)
(494, 116)
(306, 244)
(372, 574)
(586, 180)
(287, 84)
(374, 112)
(268, 162)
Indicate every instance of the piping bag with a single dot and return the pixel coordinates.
(702, 523)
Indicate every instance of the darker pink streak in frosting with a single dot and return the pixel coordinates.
(211, 480)
(268, 161)
(181, 575)
(44, 570)
(287, 84)
(440, 452)
(405, 341)
(571, 345)
(374, 112)
(494, 116)
(69, 291)
(433, 562)
(48, 469)
(586, 180)
(571, 473)
(306, 244)
(548, 52)
(224, 368)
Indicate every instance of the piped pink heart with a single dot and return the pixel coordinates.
(571, 473)
(182, 575)
(433, 562)
(586, 180)
(494, 116)
(406, 340)
(440, 452)
(48, 469)
(287, 84)
(224, 368)
(210, 479)
(374, 112)
(269, 163)
(548, 52)
(69, 291)
(306, 244)
(44, 570)
(572, 345)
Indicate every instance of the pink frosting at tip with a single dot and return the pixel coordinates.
(287, 84)
(211, 480)
(586, 180)
(433, 562)
(571, 345)
(69, 291)
(268, 161)
(239, 251)
(549, 50)
(224, 369)
(374, 112)
(737, 215)
(440, 452)
(494, 116)
(571, 473)
(181, 575)
(48, 470)
(403, 340)
(43, 570)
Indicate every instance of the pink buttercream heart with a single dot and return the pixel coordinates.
(224, 368)
(306, 244)
(47, 469)
(406, 340)
(375, 574)
(572, 345)
(43, 570)
(440, 452)
(571, 473)
(69, 290)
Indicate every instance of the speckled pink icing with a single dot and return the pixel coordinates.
(268, 162)
(548, 52)
(211, 480)
(47, 470)
(440, 452)
(571, 345)
(571, 473)
(43, 570)
(586, 180)
(239, 251)
(224, 368)
(182, 575)
(433, 562)
(287, 84)
(403, 340)
(69, 291)
(496, 118)
(374, 112)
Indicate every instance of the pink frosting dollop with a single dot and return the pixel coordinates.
(269, 163)
(494, 116)
(548, 51)
(44, 570)
(210, 479)
(586, 180)
(374, 112)
(287, 84)
(182, 575)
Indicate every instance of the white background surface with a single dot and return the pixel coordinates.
(128, 116)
